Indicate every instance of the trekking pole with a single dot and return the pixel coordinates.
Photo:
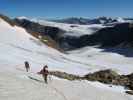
(50, 78)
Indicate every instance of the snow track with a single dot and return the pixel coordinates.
(17, 87)
(14, 88)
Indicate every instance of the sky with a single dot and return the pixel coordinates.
(67, 8)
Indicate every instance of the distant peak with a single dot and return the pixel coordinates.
(119, 19)
(22, 17)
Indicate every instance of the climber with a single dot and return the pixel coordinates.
(27, 66)
(44, 73)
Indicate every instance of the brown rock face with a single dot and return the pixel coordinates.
(129, 92)
(105, 76)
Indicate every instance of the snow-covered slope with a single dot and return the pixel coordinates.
(71, 29)
(19, 88)
(101, 59)
(17, 46)
(22, 46)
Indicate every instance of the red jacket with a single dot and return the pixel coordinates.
(43, 71)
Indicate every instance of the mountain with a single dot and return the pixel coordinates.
(56, 31)
(19, 43)
(72, 36)
(87, 21)
(105, 37)
(115, 39)
(23, 46)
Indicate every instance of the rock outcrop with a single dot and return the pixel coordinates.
(105, 76)
(51, 34)
(42, 30)
(7, 19)
(111, 77)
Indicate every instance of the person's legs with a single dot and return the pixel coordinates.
(27, 69)
(45, 78)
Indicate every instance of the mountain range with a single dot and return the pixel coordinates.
(117, 34)
(87, 21)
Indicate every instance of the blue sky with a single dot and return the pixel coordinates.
(67, 8)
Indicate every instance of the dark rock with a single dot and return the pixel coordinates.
(73, 26)
(119, 35)
(42, 30)
(111, 77)
(7, 19)
(65, 75)
(129, 92)
(46, 32)
(105, 76)
(130, 81)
